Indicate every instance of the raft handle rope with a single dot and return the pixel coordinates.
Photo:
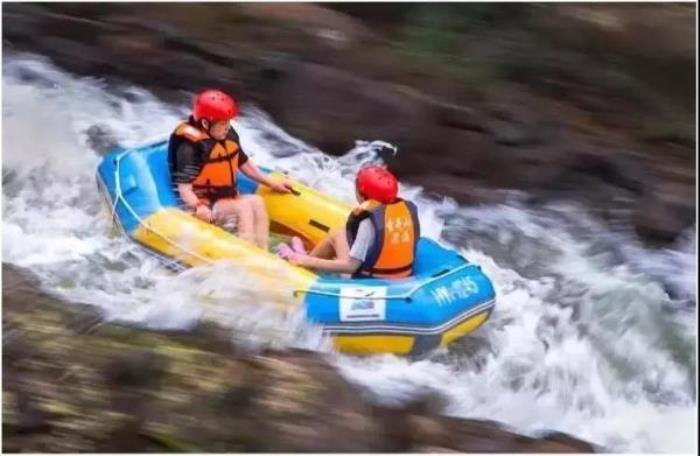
(405, 296)
(119, 196)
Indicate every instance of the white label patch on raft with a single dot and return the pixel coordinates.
(362, 303)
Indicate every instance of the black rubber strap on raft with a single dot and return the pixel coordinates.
(319, 225)
(375, 271)
(439, 273)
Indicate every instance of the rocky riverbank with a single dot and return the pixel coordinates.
(73, 383)
(593, 103)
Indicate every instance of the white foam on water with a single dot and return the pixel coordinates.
(586, 338)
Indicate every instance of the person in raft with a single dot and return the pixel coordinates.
(379, 239)
(204, 154)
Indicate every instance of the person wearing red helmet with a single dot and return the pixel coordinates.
(204, 154)
(379, 238)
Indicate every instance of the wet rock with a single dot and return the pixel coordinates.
(664, 212)
(560, 442)
(512, 134)
(101, 139)
(613, 167)
(121, 389)
(139, 368)
(469, 191)
(459, 117)
(334, 28)
(30, 418)
(329, 119)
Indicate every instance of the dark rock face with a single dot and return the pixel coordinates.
(71, 384)
(590, 116)
(662, 212)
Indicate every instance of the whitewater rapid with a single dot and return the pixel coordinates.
(593, 333)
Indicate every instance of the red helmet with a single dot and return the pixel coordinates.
(377, 183)
(214, 105)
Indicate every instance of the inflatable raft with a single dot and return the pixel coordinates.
(446, 298)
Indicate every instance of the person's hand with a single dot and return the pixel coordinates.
(281, 186)
(203, 213)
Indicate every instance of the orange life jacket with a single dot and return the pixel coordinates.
(217, 178)
(397, 231)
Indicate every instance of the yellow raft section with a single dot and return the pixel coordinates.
(181, 236)
(403, 345)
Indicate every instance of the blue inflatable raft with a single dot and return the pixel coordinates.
(447, 297)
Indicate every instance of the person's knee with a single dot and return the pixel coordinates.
(234, 211)
(239, 206)
(245, 213)
(257, 202)
(222, 209)
(339, 240)
(338, 235)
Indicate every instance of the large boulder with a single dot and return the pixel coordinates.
(332, 109)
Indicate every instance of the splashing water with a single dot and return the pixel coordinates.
(593, 334)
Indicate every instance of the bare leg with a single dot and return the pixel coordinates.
(323, 249)
(340, 244)
(261, 223)
(333, 245)
(239, 208)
